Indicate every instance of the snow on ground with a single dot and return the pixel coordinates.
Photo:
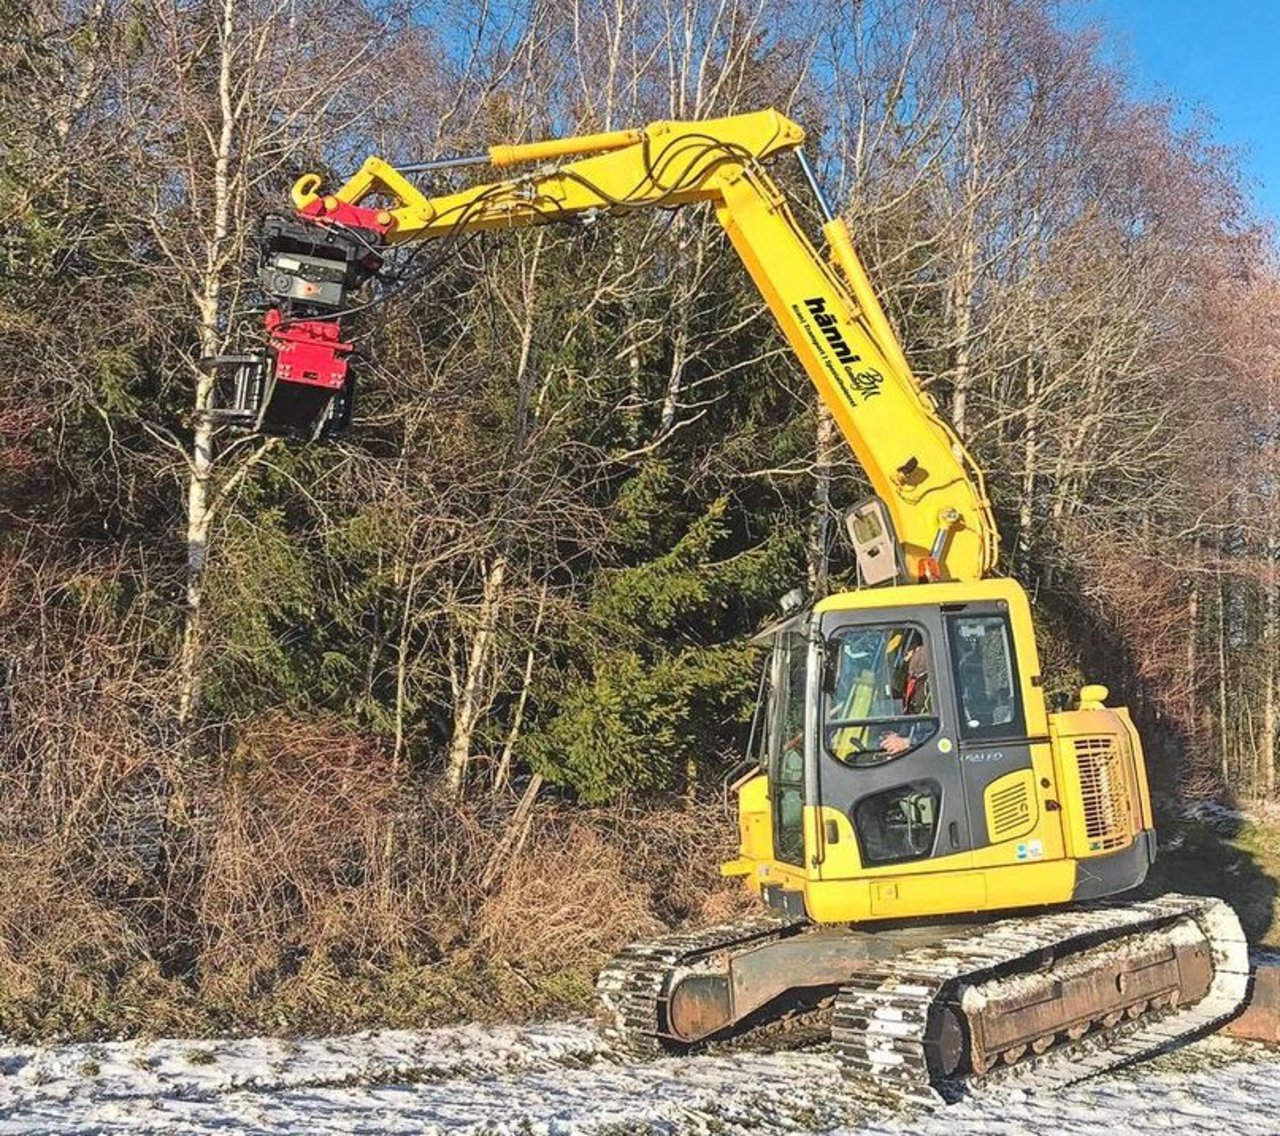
(1215, 814)
(557, 1079)
(1218, 815)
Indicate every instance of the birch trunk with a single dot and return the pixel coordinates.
(1193, 629)
(962, 331)
(502, 778)
(1271, 604)
(1224, 738)
(201, 458)
(471, 693)
(826, 441)
(1270, 643)
(688, 271)
(469, 701)
(1030, 453)
(409, 592)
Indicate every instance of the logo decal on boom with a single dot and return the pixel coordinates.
(823, 330)
(830, 329)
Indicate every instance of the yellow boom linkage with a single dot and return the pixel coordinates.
(917, 465)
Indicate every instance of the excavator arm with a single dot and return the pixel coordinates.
(933, 493)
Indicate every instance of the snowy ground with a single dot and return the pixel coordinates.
(556, 1079)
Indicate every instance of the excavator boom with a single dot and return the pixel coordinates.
(933, 493)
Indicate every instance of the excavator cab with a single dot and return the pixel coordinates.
(907, 765)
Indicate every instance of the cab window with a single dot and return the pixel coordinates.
(898, 824)
(787, 775)
(985, 677)
(879, 703)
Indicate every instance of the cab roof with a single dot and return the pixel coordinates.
(903, 595)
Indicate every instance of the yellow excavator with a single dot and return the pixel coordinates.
(930, 841)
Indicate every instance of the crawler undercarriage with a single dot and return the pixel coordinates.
(923, 1014)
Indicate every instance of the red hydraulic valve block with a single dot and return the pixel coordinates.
(311, 266)
(308, 352)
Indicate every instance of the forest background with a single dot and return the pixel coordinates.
(421, 724)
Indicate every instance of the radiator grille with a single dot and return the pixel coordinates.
(1010, 812)
(1104, 793)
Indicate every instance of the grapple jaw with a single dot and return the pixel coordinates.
(301, 386)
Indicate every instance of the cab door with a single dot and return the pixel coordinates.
(887, 760)
(991, 726)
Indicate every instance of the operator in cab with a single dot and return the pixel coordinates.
(880, 702)
(917, 699)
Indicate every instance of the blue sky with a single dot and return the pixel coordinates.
(1221, 56)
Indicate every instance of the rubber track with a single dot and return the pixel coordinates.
(632, 988)
(879, 1018)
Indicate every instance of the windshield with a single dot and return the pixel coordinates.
(879, 702)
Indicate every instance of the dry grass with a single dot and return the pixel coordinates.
(283, 876)
(587, 881)
(564, 904)
(291, 880)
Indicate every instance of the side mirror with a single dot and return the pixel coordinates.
(830, 665)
